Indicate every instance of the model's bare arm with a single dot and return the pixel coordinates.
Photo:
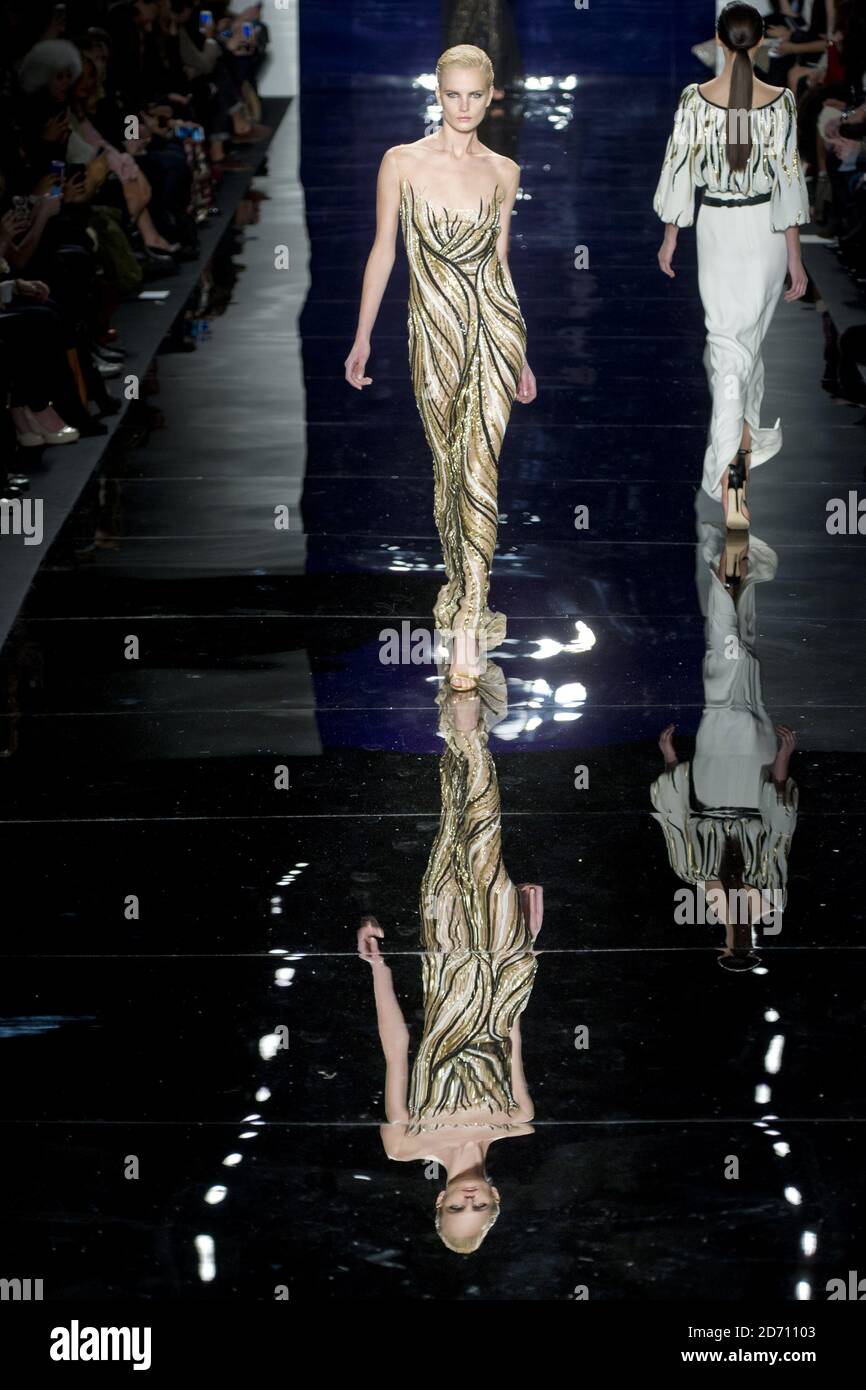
(507, 206)
(526, 385)
(393, 1033)
(378, 269)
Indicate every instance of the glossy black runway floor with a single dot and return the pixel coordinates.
(173, 906)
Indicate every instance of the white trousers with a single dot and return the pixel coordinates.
(741, 270)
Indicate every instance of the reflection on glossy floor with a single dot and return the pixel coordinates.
(223, 1028)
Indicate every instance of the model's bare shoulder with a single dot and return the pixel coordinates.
(507, 172)
(391, 159)
(510, 164)
(394, 1140)
(406, 159)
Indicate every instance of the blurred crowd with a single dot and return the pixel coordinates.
(117, 122)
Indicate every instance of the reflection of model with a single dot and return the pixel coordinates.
(467, 1087)
(746, 238)
(728, 815)
(490, 25)
(467, 337)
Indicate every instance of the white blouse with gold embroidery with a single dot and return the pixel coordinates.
(695, 158)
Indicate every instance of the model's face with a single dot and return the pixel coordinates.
(465, 1207)
(463, 97)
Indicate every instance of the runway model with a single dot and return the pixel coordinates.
(467, 1089)
(736, 138)
(467, 339)
(729, 814)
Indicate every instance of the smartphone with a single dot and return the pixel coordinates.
(57, 170)
(247, 32)
(205, 18)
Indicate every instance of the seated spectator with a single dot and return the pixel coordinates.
(110, 137)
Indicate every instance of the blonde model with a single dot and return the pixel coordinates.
(467, 339)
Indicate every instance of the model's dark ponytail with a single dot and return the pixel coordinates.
(740, 28)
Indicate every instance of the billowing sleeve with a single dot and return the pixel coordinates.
(789, 206)
(779, 805)
(669, 794)
(674, 199)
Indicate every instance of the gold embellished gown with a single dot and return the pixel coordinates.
(478, 963)
(467, 346)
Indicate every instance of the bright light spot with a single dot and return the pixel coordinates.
(804, 1291)
(574, 694)
(563, 718)
(532, 723)
(771, 1016)
(762, 1094)
(269, 1045)
(782, 1149)
(809, 1242)
(215, 1194)
(585, 639)
(793, 1196)
(204, 1248)
(546, 647)
(773, 1059)
(232, 1160)
(262, 1094)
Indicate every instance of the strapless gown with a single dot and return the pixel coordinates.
(467, 346)
(478, 965)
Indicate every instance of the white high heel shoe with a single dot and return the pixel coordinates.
(33, 434)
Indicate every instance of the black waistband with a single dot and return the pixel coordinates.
(735, 202)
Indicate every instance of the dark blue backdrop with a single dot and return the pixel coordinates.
(352, 41)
